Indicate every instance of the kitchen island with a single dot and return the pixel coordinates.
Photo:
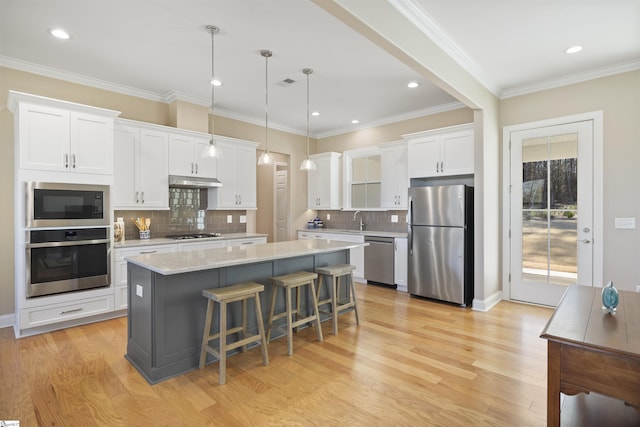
(166, 308)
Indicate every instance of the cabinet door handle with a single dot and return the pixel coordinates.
(196, 169)
(142, 197)
(191, 168)
(73, 161)
(137, 197)
(71, 311)
(66, 161)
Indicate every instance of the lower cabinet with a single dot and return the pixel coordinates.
(356, 255)
(247, 241)
(34, 317)
(120, 269)
(400, 263)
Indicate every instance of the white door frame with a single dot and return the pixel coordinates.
(598, 192)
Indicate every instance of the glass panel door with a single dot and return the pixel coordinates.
(551, 181)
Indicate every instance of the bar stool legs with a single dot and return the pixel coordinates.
(330, 276)
(223, 296)
(288, 283)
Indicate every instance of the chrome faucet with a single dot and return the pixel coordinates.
(354, 218)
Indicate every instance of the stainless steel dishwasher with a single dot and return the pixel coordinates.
(379, 260)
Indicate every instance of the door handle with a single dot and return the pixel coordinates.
(409, 224)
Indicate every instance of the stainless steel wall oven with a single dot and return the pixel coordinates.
(64, 260)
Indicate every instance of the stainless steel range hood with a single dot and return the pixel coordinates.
(178, 181)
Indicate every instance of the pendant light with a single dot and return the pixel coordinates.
(211, 150)
(307, 164)
(266, 158)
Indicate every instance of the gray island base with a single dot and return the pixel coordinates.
(166, 308)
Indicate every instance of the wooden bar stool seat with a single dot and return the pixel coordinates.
(330, 276)
(287, 283)
(223, 296)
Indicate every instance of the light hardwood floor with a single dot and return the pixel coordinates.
(411, 362)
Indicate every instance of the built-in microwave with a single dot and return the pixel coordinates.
(67, 205)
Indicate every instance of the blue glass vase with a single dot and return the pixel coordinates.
(610, 298)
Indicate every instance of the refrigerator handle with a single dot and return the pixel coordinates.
(410, 225)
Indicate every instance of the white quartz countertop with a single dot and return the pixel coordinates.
(164, 241)
(355, 232)
(206, 259)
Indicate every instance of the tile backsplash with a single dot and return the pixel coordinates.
(187, 214)
(373, 220)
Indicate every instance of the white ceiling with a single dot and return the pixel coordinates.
(159, 49)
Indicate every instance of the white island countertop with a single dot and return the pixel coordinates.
(207, 259)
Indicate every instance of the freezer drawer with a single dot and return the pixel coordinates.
(436, 263)
(379, 260)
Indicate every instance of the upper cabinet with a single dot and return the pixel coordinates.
(324, 183)
(62, 136)
(141, 167)
(185, 155)
(237, 172)
(395, 181)
(362, 178)
(441, 152)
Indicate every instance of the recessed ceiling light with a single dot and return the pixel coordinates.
(59, 33)
(315, 113)
(412, 85)
(355, 121)
(215, 82)
(573, 49)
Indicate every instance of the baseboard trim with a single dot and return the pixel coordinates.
(7, 320)
(487, 303)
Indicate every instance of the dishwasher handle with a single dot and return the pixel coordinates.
(380, 240)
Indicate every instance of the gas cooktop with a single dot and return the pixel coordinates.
(193, 236)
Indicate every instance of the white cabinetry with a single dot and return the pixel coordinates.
(324, 184)
(62, 136)
(237, 172)
(141, 167)
(441, 152)
(356, 255)
(247, 241)
(362, 178)
(185, 156)
(395, 181)
(400, 263)
(120, 269)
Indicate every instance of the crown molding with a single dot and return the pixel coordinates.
(398, 118)
(430, 27)
(571, 79)
(67, 76)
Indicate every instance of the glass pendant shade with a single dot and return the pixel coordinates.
(266, 158)
(307, 164)
(211, 150)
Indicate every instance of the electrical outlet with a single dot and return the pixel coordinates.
(637, 288)
(328, 217)
(243, 219)
(139, 291)
(394, 218)
(229, 219)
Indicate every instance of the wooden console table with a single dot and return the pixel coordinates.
(589, 350)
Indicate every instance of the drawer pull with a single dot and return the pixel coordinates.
(71, 311)
(147, 252)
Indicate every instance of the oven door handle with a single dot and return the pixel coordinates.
(66, 243)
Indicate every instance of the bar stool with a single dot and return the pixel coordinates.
(333, 273)
(223, 296)
(287, 283)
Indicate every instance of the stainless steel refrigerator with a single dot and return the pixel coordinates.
(440, 245)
